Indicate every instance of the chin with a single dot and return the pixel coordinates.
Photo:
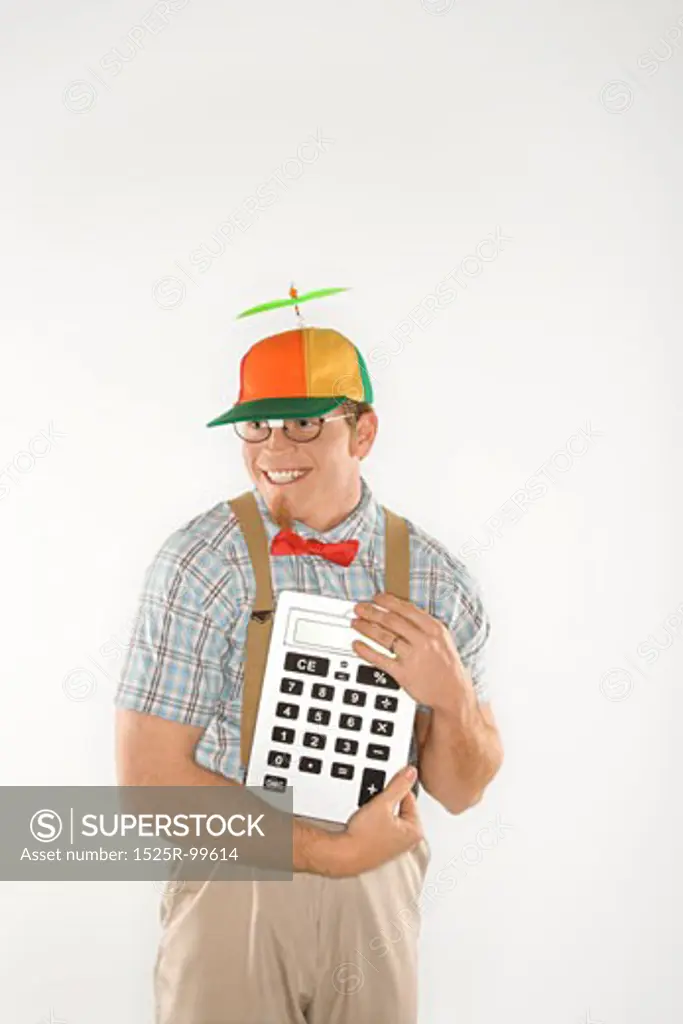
(284, 503)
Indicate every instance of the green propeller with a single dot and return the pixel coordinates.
(294, 300)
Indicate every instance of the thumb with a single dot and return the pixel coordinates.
(408, 809)
(400, 785)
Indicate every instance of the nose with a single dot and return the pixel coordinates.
(278, 440)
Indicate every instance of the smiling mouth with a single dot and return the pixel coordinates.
(284, 476)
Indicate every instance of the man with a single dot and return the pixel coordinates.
(285, 951)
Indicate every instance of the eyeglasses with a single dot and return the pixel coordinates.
(299, 430)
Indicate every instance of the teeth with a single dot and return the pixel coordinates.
(284, 476)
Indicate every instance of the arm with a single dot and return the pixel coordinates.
(460, 752)
(459, 747)
(152, 751)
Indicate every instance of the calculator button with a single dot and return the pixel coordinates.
(294, 686)
(279, 759)
(310, 764)
(380, 728)
(375, 677)
(319, 715)
(342, 771)
(287, 710)
(356, 697)
(282, 735)
(346, 746)
(342, 675)
(302, 663)
(350, 722)
(274, 782)
(371, 784)
(321, 692)
(385, 703)
(377, 752)
(315, 739)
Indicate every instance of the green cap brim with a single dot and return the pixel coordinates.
(277, 409)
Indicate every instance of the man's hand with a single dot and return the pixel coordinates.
(374, 834)
(427, 663)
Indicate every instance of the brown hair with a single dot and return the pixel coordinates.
(356, 409)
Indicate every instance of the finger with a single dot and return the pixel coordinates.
(408, 809)
(417, 616)
(381, 661)
(391, 620)
(371, 629)
(398, 786)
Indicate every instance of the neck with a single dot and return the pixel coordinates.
(325, 516)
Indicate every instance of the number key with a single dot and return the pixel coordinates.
(350, 722)
(280, 735)
(355, 697)
(314, 739)
(287, 710)
(280, 760)
(294, 686)
(343, 746)
(319, 715)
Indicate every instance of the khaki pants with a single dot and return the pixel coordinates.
(312, 950)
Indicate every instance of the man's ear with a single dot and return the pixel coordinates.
(365, 433)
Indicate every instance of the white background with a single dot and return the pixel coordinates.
(548, 122)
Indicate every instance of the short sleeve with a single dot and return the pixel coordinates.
(457, 602)
(470, 629)
(174, 665)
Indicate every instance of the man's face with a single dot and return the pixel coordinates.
(325, 471)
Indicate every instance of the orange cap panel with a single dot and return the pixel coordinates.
(274, 367)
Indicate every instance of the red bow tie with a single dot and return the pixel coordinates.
(287, 542)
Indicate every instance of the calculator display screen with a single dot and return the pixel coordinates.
(326, 635)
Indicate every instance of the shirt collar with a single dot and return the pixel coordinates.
(359, 524)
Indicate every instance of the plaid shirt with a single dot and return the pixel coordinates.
(185, 660)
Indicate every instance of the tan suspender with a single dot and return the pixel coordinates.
(397, 563)
(397, 581)
(261, 620)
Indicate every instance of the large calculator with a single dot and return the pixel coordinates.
(329, 724)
